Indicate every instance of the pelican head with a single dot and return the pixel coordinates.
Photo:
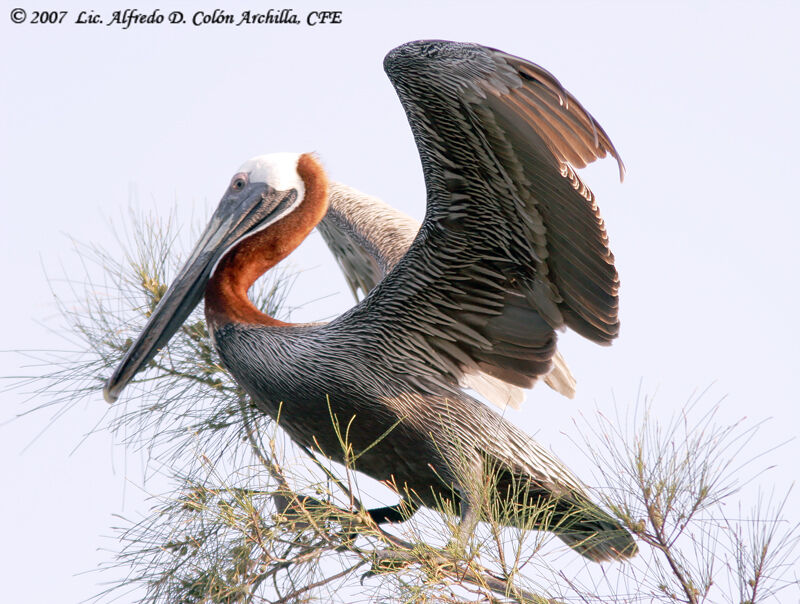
(262, 191)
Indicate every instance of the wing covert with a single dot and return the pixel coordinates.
(368, 238)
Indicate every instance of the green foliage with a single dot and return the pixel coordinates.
(251, 519)
(671, 483)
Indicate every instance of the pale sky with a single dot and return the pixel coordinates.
(700, 99)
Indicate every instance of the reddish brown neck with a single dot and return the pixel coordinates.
(226, 292)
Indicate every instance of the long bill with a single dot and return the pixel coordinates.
(239, 213)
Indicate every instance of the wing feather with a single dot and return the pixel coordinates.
(513, 246)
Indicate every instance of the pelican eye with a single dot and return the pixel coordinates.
(238, 183)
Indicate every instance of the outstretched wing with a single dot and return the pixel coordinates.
(512, 246)
(366, 236)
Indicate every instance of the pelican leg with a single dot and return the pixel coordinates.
(400, 512)
(468, 519)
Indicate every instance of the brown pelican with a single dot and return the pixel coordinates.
(511, 249)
